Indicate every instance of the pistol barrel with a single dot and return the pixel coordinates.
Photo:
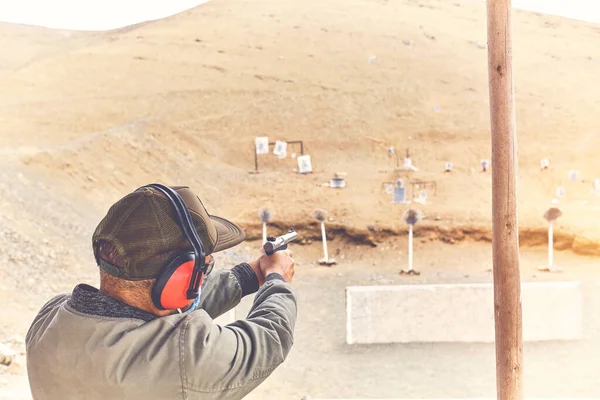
(280, 242)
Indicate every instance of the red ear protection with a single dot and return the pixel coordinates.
(170, 290)
(180, 281)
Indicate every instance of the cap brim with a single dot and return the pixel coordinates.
(228, 234)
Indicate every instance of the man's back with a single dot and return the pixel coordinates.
(113, 351)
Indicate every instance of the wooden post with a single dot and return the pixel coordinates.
(505, 243)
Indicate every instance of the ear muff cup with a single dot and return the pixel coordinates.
(170, 290)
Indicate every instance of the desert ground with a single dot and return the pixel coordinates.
(86, 118)
(322, 365)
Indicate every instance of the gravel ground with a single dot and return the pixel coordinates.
(321, 365)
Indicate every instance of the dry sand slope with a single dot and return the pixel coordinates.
(182, 99)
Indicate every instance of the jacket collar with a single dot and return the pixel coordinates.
(88, 300)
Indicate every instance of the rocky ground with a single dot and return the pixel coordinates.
(321, 365)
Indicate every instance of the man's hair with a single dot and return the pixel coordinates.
(106, 251)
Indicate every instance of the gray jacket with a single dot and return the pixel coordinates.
(89, 346)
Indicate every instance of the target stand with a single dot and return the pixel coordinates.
(411, 272)
(327, 262)
(272, 144)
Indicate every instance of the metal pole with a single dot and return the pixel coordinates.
(550, 245)
(324, 237)
(255, 159)
(505, 243)
(410, 247)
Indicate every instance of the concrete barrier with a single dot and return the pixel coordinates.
(458, 313)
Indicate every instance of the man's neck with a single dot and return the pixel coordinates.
(142, 302)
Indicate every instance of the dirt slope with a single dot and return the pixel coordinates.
(301, 71)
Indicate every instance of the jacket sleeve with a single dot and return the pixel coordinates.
(227, 362)
(223, 289)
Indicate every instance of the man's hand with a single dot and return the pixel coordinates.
(281, 262)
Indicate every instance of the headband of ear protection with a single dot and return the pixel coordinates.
(180, 280)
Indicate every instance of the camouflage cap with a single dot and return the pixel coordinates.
(144, 228)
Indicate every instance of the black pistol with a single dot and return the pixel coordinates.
(279, 243)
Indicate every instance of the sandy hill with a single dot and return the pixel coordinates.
(24, 45)
(86, 118)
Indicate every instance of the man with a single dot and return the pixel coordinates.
(124, 341)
